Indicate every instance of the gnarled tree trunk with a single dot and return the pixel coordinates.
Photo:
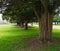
(45, 26)
(45, 23)
(50, 21)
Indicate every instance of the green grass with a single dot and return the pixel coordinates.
(56, 33)
(12, 38)
(12, 30)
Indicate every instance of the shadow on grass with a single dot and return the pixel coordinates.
(27, 40)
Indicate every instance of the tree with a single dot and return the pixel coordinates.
(44, 10)
(47, 16)
(56, 19)
(23, 14)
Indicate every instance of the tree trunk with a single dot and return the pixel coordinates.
(50, 21)
(18, 23)
(22, 24)
(26, 25)
(45, 23)
(55, 22)
(45, 27)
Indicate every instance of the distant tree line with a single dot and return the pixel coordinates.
(56, 19)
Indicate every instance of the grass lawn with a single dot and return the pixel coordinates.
(13, 38)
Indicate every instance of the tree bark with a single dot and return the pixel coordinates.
(45, 27)
(49, 31)
(22, 24)
(26, 25)
(45, 23)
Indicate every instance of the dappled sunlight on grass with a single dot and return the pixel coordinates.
(13, 30)
(14, 38)
(7, 30)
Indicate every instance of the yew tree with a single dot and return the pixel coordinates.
(44, 10)
(20, 12)
(47, 16)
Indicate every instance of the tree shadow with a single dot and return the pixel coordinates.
(35, 45)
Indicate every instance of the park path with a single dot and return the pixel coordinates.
(56, 27)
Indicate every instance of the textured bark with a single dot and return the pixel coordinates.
(45, 23)
(45, 27)
(50, 20)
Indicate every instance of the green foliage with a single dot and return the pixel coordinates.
(56, 18)
(52, 5)
(0, 4)
(19, 11)
(5, 17)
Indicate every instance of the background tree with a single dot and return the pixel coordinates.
(23, 14)
(56, 19)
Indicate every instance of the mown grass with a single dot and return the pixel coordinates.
(12, 30)
(12, 38)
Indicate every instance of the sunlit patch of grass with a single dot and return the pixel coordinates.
(12, 37)
(12, 30)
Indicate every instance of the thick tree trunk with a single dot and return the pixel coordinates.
(18, 23)
(22, 24)
(45, 27)
(45, 23)
(50, 21)
(26, 25)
